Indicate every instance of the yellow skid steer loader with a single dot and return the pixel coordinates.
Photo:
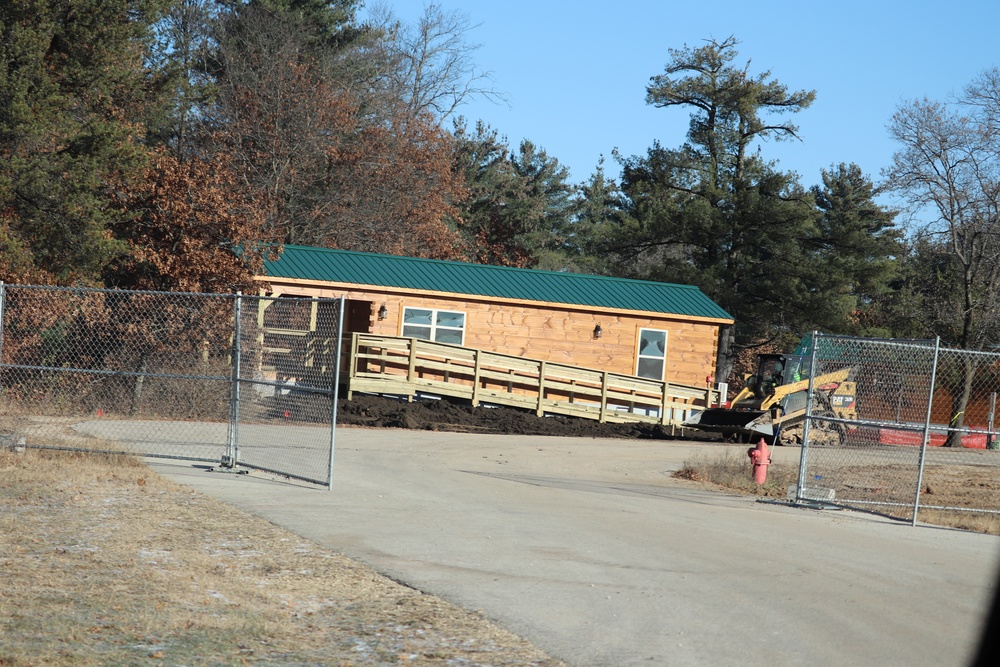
(772, 405)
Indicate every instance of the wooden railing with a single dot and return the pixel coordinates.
(410, 367)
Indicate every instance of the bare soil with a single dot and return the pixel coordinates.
(444, 415)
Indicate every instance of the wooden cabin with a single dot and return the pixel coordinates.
(648, 329)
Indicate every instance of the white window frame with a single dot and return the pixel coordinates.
(639, 356)
(434, 327)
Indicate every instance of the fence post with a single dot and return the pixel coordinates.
(3, 318)
(352, 367)
(232, 438)
(991, 438)
(540, 411)
(411, 368)
(803, 457)
(664, 400)
(927, 432)
(475, 378)
(336, 392)
(604, 396)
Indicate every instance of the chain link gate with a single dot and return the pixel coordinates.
(241, 381)
(285, 386)
(888, 420)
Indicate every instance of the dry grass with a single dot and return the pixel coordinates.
(730, 470)
(955, 486)
(105, 563)
(972, 521)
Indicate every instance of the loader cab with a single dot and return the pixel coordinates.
(796, 368)
(775, 370)
(770, 370)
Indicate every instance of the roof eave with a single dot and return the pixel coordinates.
(387, 289)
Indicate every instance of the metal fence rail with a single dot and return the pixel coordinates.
(231, 379)
(922, 418)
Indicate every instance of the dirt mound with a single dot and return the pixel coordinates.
(445, 415)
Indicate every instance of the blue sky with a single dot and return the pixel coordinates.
(576, 72)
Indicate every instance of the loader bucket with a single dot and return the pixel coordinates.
(728, 422)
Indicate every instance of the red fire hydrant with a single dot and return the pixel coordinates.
(760, 458)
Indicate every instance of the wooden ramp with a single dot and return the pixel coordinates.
(411, 367)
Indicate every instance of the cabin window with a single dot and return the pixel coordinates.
(652, 356)
(440, 326)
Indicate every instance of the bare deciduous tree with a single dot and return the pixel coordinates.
(948, 170)
(430, 66)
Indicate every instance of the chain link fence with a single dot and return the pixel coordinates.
(899, 427)
(240, 381)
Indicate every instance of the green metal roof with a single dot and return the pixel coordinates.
(362, 268)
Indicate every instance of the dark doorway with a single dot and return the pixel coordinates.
(359, 316)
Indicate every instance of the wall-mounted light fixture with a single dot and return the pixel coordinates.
(597, 331)
(383, 312)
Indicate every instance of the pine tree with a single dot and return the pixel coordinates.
(713, 212)
(73, 95)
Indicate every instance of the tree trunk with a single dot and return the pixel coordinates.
(727, 353)
(137, 387)
(959, 402)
